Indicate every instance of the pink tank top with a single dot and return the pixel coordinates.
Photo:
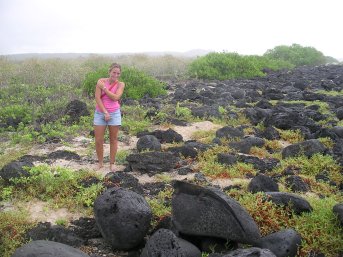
(109, 104)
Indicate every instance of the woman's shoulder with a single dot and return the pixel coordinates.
(103, 80)
(121, 84)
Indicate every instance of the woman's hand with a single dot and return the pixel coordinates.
(101, 84)
(107, 116)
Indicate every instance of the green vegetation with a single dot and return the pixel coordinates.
(137, 83)
(224, 66)
(313, 166)
(161, 205)
(297, 55)
(12, 228)
(59, 185)
(319, 229)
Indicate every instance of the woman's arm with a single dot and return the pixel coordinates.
(117, 95)
(98, 98)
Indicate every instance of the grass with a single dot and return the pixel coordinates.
(291, 136)
(313, 166)
(320, 230)
(61, 186)
(209, 165)
(13, 153)
(160, 205)
(204, 136)
(12, 229)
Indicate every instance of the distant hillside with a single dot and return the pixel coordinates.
(19, 57)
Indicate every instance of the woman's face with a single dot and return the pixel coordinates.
(115, 74)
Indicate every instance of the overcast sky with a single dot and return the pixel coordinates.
(135, 26)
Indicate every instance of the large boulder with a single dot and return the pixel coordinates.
(307, 148)
(56, 233)
(201, 211)
(76, 109)
(245, 144)
(296, 202)
(190, 149)
(338, 210)
(164, 136)
(15, 169)
(229, 133)
(44, 248)
(165, 243)
(263, 183)
(148, 142)
(152, 162)
(284, 243)
(250, 252)
(123, 217)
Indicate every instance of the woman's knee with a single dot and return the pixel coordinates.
(99, 142)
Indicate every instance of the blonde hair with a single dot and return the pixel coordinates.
(114, 65)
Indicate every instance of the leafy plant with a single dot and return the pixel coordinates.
(320, 230)
(135, 119)
(313, 166)
(182, 112)
(297, 55)
(160, 205)
(224, 66)
(87, 195)
(13, 226)
(291, 136)
(137, 83)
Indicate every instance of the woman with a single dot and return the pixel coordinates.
(108, 91)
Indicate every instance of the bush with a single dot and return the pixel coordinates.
(224, 66)
(297, 55)
(137, 83)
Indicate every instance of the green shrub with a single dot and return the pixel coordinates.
(160, 205)
(224, 66)
(297, 55)
(92, 78)
(320, 229)
(13, 226)
(313, 166)
(15, 114)
(59, 185)
(137, 83)
(135, 119)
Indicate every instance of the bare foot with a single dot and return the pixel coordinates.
(112, 167)
(100, 166)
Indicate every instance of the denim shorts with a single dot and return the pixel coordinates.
(115, 120)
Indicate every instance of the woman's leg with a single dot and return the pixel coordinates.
(113, 144)
(99, 132)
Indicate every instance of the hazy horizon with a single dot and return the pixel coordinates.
(246, 27)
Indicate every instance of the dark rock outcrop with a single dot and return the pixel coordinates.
(148, 142)
(44, 248)
(152, 162)
(338, 210)
(308, 148)
(296, 202)
(284, 243)
(262, 183)
(123, 217)
(209, 212)
(15, 169)
(75, 110)
(165, 243)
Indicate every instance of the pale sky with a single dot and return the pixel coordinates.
(136, 26)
